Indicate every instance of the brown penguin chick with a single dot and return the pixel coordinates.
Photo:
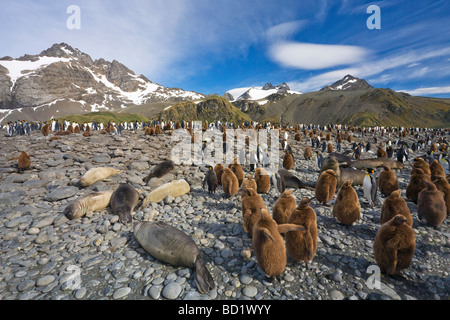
(347, 209)
(302, 245)
(23, 161)
(443, 186)
(283, 207)
(251, 204)
(393, 206)
(249, 183)
(422, 164)
(326, 186)
(218, 169)
(230, 184)
(268, 244)
(394, 245)
(431, 205)
(237, 170)
(416, 184)
(330, 148)
(381, 153)
(288, 161)
(387, 181)
(308, 153)
(436, 170)
(76, 129)
(262, 180)
(298, 137)
(45, 130)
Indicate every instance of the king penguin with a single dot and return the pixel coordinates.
(319, 159)
(370, 187)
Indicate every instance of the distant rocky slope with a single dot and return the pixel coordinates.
(63, 80)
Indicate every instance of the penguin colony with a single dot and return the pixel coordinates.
(394, 243)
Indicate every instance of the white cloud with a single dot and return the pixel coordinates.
(427, 91)
(309, 56)
(386, 69)
(284, 30)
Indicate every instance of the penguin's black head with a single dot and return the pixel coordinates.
(370, 170)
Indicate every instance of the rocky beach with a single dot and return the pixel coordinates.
(46, 256)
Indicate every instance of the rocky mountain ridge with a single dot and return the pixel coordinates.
(68, 80)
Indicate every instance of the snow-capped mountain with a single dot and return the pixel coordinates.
(259, 94)
(349, 82)
(62, 78)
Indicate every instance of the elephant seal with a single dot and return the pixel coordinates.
(91, 202)
(96, 174)
(376, 163)
(291, 181)
(343, 174)
(171, 245)
(123, 201)
(160, 170)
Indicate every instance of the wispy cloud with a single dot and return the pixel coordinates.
(310, 56)
(427, 91)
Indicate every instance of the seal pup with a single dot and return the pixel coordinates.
(210, 180)
(268, 244)
(262, 180)
(394, 245)
(171, 245)
(160, 170)
(123, 201)
(387, 181)
(431, 205)
(96, 174)
(251, 204)
(230, 183)
(416, 184)
(302, 245)
(326, 186)
(393, 206)
(291, 181)
(95, 201)
(347, 209)
(23, 161)
(283, 207)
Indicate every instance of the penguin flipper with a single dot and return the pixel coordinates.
(203, 278)
(286, 227)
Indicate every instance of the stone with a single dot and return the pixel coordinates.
(171, 291)
(61, 193)
(122, 292)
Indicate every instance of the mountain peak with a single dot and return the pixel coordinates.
(347, 83)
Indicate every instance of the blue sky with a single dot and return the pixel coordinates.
(211, 46)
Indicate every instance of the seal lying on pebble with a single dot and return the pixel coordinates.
(96, 174)
(123, 201)
(91, 202)
(171, 245)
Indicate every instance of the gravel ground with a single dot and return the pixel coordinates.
(45, 256)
